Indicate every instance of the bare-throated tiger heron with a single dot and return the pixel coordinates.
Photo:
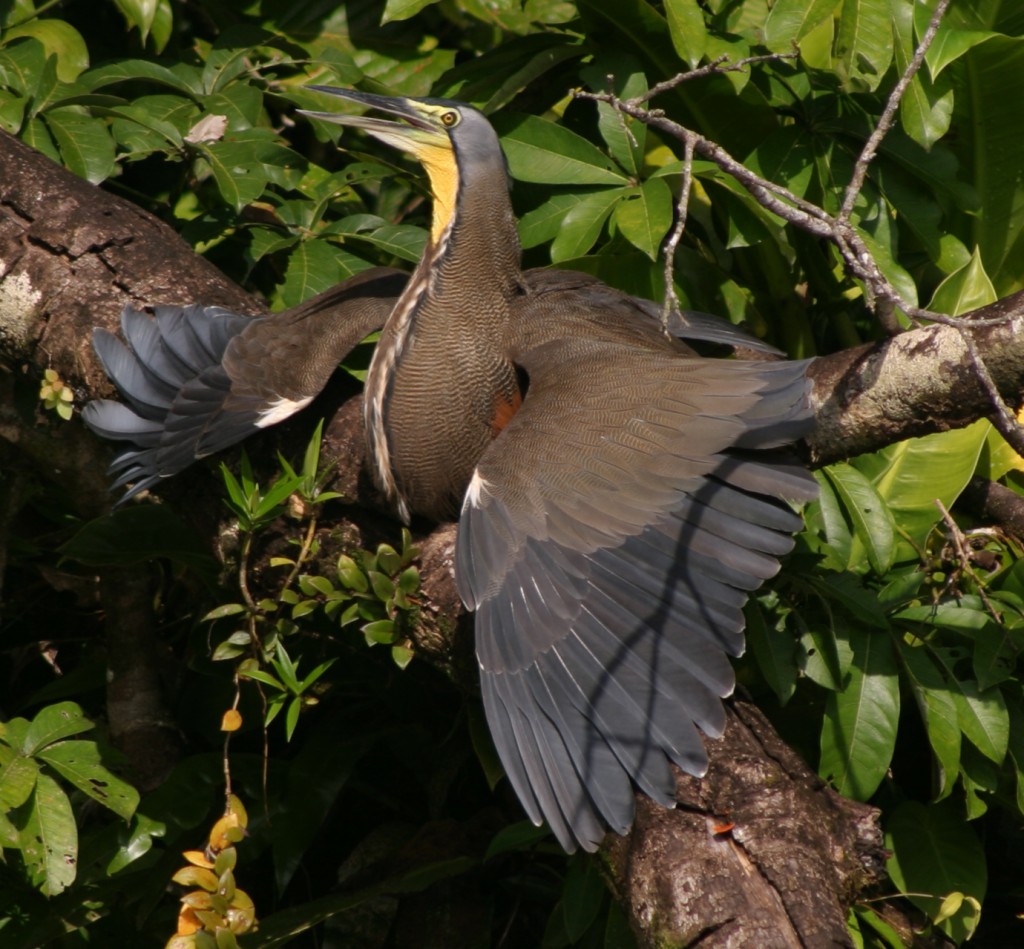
(618, 495)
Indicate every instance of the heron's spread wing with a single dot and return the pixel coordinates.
(198, 379)
(607, 542)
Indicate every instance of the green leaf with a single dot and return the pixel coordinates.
(17, 782)
(582, 226)
(225, 609)
(136, 843)
(351, 577)
(983, 718)
(403, 9)
(139, 14)
(314, 266)
(858, 735)
(625, 137)
(910, 475)
(819, 659)
(402, 240)
(379, 631)
(864, 43)
(137, 533)
(874, 533)
(686, 27)
(583, 896)
(644, 215)
(543, 152)
(927, 106)
(54, 723)
(79, 762)
(59, 39)
(279, 928)
(935, 852)
(937, 709)
(49, 839)
(545, 221)
(402, 656)
(183, 78)
(315, 778)
(967, 289)
(774, 651)
(86, 147)
(789, 21)
(996, 70)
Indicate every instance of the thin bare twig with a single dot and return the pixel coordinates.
(1002, 418)
(716, 67)
(671, 304)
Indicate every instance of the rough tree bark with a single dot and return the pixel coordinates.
(758, 853)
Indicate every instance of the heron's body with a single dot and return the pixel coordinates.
(618, 495)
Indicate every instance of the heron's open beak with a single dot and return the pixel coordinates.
(412, 135)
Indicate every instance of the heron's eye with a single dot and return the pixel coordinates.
(449, 119)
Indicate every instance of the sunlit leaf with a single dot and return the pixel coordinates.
(789, 21)
(54, 723)
(864, 43)
(541, 151)
(79, 762)
(938, 712)
(644, 215)
(874, 534)
(49, 838)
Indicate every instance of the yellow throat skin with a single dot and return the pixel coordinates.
(443, 172)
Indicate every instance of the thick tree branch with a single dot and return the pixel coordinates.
(919, 382)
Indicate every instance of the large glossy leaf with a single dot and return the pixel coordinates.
(545, 221)
(183, 78)
(59, 39)
(279, 928)
(79, 763)
(49, 838)
(54, 723)
(131, 535)
(775, 652)
(910, 475)
(315, 778)
(789, 21)
(935, 852)
(314, 266)
(995, 74)
(686, 27)
(644, 215)
(583, 224)
(86, 147)
(403, 9)
(864, 43)
(983, 719)
(938, 711)
(927, 106)
(858, 735)
(541, 151)
(874, 536)
(17, 781)
(967, 289)
(625, 137)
